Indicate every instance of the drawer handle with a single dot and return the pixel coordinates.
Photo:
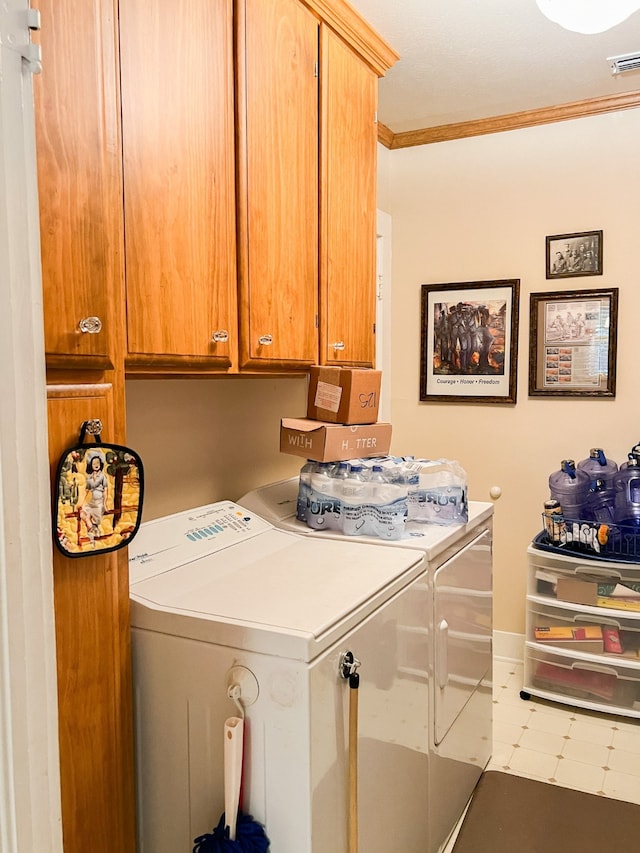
(594, 667)
(265, 340)
(591, 574)
(443, 663)
(338, 345)
(220, 337)
(601, 620)
(90, 325)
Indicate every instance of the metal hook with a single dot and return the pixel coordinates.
(348, 665)
(234, 693)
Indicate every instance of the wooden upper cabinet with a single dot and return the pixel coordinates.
(207, 184)
(80, 181)
(177, 86)
(349, 91)
(278, 183)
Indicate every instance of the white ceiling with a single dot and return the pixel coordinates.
(462, 60)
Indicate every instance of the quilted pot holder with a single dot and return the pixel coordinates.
(98, 491)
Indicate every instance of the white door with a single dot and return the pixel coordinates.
(30, 817)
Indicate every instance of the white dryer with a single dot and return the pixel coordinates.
(221, 596)
(454, 613)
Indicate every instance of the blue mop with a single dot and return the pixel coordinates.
(236, 832)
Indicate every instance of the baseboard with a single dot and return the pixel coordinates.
(507, 646)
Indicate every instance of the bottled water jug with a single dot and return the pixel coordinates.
(600, 503)
(570, 486)
(627, 487)
(598, 467)
(633, 453)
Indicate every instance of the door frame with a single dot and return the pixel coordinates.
(30, 814)
(383, 310)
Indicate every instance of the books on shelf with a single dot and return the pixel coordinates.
(611, 640)
(587, 638)
(618, 603)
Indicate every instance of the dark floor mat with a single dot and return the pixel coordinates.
(511, 814)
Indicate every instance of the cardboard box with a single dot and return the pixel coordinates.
(577, 591)
(326, 442)
(343, 395)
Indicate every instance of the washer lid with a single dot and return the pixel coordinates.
(277, 503)
(253, 587)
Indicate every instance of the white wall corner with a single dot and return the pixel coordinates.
(508, 646)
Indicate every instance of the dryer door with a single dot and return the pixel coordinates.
(462, 627)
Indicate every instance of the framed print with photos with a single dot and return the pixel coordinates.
(469, 333)
(570, 255)
(572, 343)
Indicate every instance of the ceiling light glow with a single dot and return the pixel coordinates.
(588, 16)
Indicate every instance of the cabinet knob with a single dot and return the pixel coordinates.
(220, 337)
(265, 340)
(338, 345)
(90, 325)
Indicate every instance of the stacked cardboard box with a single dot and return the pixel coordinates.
(342, 417)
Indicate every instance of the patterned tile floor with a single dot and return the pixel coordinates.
(572, 747)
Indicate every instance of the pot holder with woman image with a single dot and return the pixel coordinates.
(98, 491)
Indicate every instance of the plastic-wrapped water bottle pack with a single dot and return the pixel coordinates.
(377, 496)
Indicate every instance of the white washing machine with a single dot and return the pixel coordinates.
(454, 613)
(221, 596)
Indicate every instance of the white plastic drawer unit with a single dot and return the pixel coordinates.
(605, 684)
(577, 567)
(543, 614)
(588, 675)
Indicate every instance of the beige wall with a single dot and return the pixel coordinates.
(479, 209)
(475, 209)
(204, 440)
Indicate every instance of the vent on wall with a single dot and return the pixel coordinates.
(626, 62)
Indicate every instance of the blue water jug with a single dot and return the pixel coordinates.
(598, 467)
(600, 502)
(627, 486)
(570, 486)
(634, 453)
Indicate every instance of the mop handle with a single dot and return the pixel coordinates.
(233, 737)
(354, 683)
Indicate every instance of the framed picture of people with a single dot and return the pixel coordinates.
(570, 255)
(469, 334)
(572, 343)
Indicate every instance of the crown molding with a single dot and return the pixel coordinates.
(385, 135)
(369, 44)
(511, 121)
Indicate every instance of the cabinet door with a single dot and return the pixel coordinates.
(91, 602)
(278, 180)
(179, 181)
(79, 180)
(463, 616)
(348, 206)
